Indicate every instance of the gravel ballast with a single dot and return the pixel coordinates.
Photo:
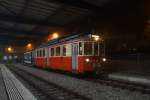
(93, 90)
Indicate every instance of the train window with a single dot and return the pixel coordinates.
(88, 48)
(80, 48)
(43, 53)
(40, 53)
(102, 49)
(64, 50)
(37, 53)
(96, 48)
(52, 52)
(68, 49)
(49, 52)
(57, 51)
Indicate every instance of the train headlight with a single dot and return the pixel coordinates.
(104, 59)
(87, 60)
(96, 37)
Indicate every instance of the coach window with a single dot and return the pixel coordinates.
(64, 50)
(52, 52)
(57, 51)
(36, 53)
(43, 52)
(49, 51)
(80, 48)
(40, 53)
(87, 48)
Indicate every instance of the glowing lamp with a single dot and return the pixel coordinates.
(55, 35)
(9, 49)
(87, 60)
(96, 37)
(29, 45)
(104, 59)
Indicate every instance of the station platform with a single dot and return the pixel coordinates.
(11, 88)
(131, 78)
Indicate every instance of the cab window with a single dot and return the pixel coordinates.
(80, 48)
(96, 48)
(87, 48)
(102, 49)
(64, 50)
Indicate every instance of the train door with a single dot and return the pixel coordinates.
(47, 56)
(74, 56)
(31, 55)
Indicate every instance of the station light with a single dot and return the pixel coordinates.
(96, 37)
(55, 35)
(9, 49)
(29, 46)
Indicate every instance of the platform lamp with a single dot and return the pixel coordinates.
(53, 36)
(29, 46)
(9, 49)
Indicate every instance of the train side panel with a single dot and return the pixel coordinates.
(40, 62)
(60, 63)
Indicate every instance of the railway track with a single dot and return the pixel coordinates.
(44, 90)
(120, 84)
(115, 83)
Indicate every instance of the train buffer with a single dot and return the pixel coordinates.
(11, 88)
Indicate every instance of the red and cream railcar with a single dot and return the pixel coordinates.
(77, 54)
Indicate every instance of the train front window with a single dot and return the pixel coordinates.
(96, 48)
(80, 48)
(102, 49)
(64, 50)
(87, 48)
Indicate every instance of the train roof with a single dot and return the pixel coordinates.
(66, 39)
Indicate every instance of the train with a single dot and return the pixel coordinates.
(80, 53)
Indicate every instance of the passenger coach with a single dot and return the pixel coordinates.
(77, 53)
